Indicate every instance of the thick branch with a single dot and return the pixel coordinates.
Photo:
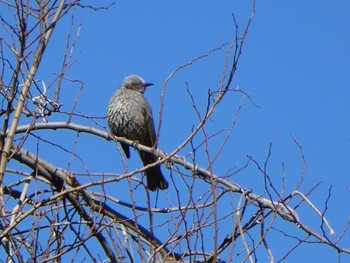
(281, 209)
(54, 174)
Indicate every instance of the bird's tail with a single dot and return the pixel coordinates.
(155, 178)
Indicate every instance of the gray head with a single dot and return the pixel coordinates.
(136, 83)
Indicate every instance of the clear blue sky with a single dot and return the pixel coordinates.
(295, 65)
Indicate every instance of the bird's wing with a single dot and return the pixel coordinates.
(149, 137)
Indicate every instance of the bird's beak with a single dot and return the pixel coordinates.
(147, 84)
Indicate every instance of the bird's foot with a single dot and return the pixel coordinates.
(135, 144)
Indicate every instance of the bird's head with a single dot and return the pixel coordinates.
(136, 83)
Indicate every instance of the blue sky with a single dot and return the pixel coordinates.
(295, 65)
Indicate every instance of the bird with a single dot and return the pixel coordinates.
(129, 115)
